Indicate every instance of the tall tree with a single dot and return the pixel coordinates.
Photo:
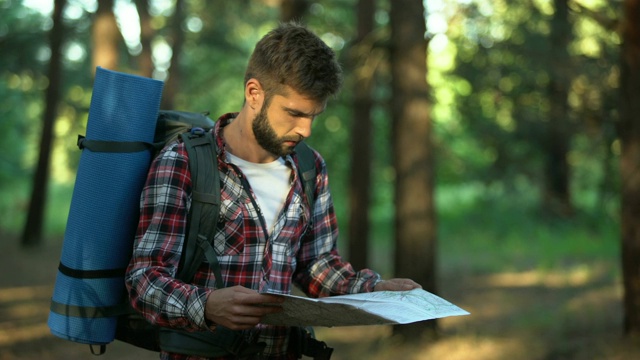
(415, 218)
(629, 133)
(106, 36)
(177, 40)
(361, 138)
(145, 60)
(557, 194)
(32, 233)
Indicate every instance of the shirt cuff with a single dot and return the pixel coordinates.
(196, 309)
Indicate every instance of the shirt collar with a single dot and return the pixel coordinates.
(223, 121)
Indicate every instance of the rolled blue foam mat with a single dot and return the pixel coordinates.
(104, 208)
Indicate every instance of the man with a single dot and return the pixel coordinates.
(268, 238)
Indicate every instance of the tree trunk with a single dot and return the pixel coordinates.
(145, 60)
(415, 224)
(293, 10)
(106, 37)
(361, 141)
(177, 36)
(32, 233)
(629, 133)
(557, 194)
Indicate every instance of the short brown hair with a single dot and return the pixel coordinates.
(291, 55)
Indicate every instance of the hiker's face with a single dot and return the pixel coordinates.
(285, 121)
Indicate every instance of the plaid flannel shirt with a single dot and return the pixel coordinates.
(290, 253)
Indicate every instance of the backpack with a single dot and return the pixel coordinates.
(131, 327)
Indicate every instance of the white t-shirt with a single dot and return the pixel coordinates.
(270, 184)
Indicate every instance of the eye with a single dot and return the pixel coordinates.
(296, 114)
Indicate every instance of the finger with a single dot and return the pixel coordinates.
(408, 284)
(250, 318)
(241, 322)
(397, 285)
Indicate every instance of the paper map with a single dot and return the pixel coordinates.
(374, 308)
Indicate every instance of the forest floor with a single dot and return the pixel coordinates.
(571, 314)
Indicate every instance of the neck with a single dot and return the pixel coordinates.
(240, 141)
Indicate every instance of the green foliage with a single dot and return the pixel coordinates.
(20, 87)
(13, 136)
(215, 58)
(22, 29)
(491, 103)
(488, 83)
(507, 101)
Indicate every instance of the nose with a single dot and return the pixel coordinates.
(303, 127)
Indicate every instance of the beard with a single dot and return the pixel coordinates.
(267, 137)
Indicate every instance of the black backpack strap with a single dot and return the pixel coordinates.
(302, 341)
(209, 344)
(205, 205)
(114, 146)
(307, 171)
(202, 221)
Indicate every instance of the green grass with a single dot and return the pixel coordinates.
(485, 230)
(511, 233)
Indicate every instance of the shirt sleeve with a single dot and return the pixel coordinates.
(321, 271)
(153, 289)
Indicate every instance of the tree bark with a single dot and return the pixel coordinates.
(106, 37)
(415, 218)
(32, 233)
(177, 36)
(145, 60)
(361, 141)
(629, 133)
(557, 193)
(293, 10)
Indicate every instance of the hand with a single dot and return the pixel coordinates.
(239, 308)
(397, 285)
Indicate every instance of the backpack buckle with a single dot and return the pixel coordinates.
(80, 142)
(197, 131)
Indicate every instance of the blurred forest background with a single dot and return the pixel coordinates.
(501, 172)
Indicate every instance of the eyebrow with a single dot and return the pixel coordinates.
(296, 112)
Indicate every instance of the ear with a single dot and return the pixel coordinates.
(254, 94)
